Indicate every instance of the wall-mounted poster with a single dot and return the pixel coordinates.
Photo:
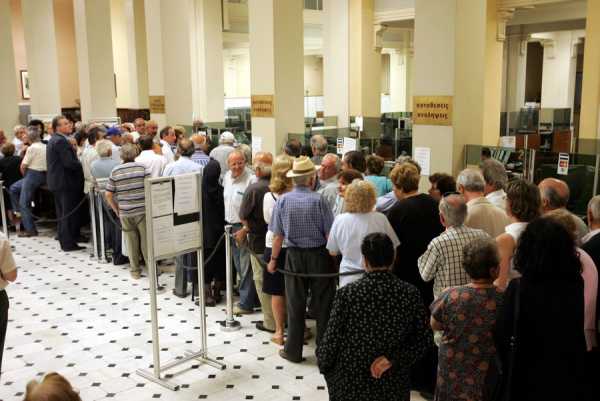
(25, 85)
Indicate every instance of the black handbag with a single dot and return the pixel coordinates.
(499, 378)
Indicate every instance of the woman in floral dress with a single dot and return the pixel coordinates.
(466, 315)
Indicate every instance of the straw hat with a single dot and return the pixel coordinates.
(302, 166)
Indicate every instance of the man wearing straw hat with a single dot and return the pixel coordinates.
(303, 219)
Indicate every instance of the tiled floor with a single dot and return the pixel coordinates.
(90, 322)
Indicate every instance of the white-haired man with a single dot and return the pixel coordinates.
(318, 145)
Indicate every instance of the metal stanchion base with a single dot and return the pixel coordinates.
(229, 326)
(204, 359)
(146, 374)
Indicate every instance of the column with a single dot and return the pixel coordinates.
(9, 111)
(210, 68)
(95, 59)
(336, 60)
(517, 65)
(458, 53)
(398, 80)
(559, 69)
(277, 68)
(154, 47)
(589, 126)
(42, 60)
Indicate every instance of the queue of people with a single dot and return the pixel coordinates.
(445, 292)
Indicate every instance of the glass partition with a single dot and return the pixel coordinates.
(515, 161)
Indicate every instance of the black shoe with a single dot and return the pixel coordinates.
(120, 260)
(178, 294)
(285, 356)
(261, 326)
(73, 249)
(83, 238)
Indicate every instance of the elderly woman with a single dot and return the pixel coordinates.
(350, 228)
(549, 361)
(375, 165)
(467, 348)
(523, 204)
(125, 195)
(273, 283)
(33, 168)
(376, 331)
(344, 178)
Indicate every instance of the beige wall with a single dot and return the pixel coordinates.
(120, 52)
(313, 76)
(67, 53)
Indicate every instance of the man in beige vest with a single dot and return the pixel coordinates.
(481, 213)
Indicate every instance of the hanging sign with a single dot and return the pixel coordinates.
(432, 110)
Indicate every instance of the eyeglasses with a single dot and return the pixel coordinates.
(451, 193)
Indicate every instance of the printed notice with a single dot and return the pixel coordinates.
(423, 158)
(432, 110)
(340, 146)
(163, 235)
(256, 144)
(187, 236)
(349, 144)
(563, 164)
(162, 198)
(186, 194)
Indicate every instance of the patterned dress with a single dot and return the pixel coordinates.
(374, 316)
(468, 316)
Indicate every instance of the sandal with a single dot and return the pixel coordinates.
(278, 340)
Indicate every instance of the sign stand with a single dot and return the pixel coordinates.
(174, 227)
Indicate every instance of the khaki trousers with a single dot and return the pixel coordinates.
(265, 299)
(134, 230)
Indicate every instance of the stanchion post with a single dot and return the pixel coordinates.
(92, 198)
(100, 207)
(3, 207)
(230, 323)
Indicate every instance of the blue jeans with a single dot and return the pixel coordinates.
(241, 260)
(22, 193)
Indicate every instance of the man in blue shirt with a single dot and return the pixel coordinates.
(302, 218)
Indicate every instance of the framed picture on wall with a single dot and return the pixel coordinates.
(25, 85)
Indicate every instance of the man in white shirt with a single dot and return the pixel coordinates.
(154, 163)
(114, 135)
(235, 183)
(221, 152)
(168, 138)
(328, 183)
(494, 175)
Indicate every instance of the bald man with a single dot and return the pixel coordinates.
(200, 155)
(328, 183)
(555, 194)
(254, 229)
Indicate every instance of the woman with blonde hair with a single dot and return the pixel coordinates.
(54, 387)
(350, 228)
(273, 283)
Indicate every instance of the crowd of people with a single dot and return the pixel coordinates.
(482, 286)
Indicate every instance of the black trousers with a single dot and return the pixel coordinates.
(310, 260)
(68, 228)
(3, 322)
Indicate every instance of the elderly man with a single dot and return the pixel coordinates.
(235, 183)
(168, 138)
(102, 167)
(494, 175)
(184, 165)
(140, 126)
(318, 144)
(114, 135)
(33, 169)
(555, 194)
(255, 229)
(481, 213)
(151, 128)
(200, 155)
(303, 218)
(328, 183)
(154, 163)
(221, 152)
(65, 180)
(125, 195)
(90, 155)
(442, 262)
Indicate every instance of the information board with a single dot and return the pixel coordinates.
(432, 110)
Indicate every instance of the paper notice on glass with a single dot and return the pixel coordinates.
(509, 141)
(563, 164)
(186, 194)
(162, 198)
(163, 235)
(349, 145)
(340, 146)
(423, 158)
(187, 236)
(359, 123)
(256, 144)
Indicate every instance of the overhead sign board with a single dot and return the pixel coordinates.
(432, 110)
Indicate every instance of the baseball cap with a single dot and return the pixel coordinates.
(113, 132)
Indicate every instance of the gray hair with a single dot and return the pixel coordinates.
(104, 148)
(594, 209)
(18, 128)
(454, 210)
(247, 152)
(471, 180)
(33, 134)
(338, 162)
(554, 198)
(318, 142)
(238, 153)
(129, 152)
(303, 180)
(265, 168)
(494, 173)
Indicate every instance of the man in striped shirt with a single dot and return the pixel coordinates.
(125, 195)
(200, 155)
